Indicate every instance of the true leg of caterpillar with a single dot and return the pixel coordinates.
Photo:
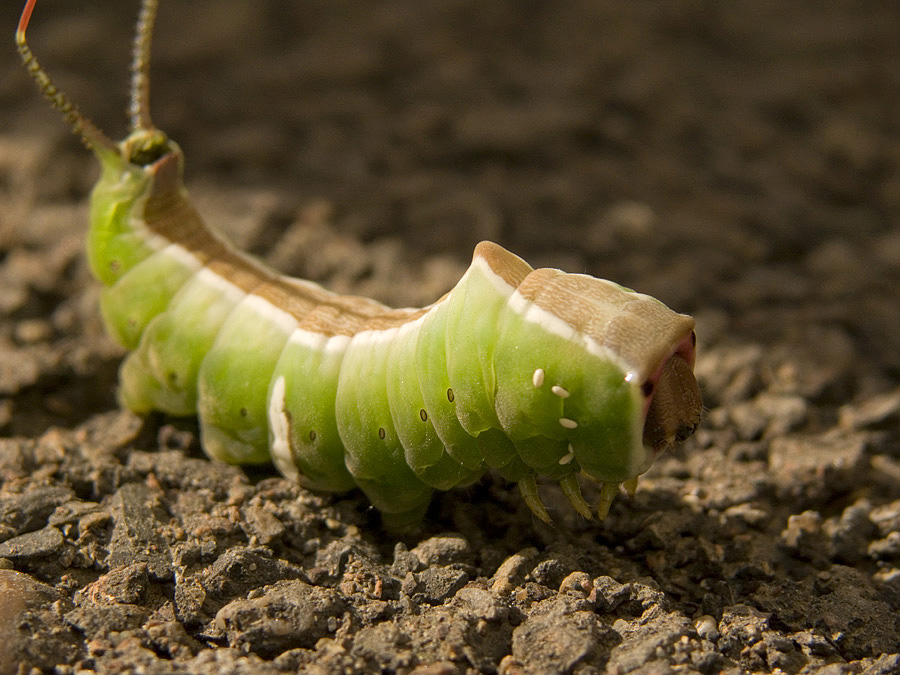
(607, 494)
(529, 490)
(631, 486)
(572, 490)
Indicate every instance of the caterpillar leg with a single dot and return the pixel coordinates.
(572, 490)
(529, 490)
(630, 486)
(607, 494)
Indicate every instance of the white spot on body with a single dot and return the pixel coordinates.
(567, 423)
(560, 391)
(568, 457)
(538, 378)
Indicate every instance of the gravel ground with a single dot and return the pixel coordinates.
(740, 161)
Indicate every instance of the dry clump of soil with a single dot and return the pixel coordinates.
(714, 156)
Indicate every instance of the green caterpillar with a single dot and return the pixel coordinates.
(527, 372)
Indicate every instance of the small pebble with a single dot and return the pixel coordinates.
(707, 627)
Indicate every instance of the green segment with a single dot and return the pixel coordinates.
(114, 247)
(496, 448)
(603, 405)
(311, 378)
(375, 455)
(233, 382)
(162, 373)
(609, 443)
(142, 293)
(439, 397)
(423, 449)
(472, 314)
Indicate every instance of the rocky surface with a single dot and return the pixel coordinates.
(740, 161)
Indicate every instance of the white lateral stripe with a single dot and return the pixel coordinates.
(337, 343)
(555, 326)
(549, 322)
(374, 337)
(182, 255)
(217, 282)
(266, 310)
(318, 341)
(404, 328)
(308, 339)
(498, 282)
(154, 240)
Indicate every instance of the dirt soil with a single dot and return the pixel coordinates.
(740, 161)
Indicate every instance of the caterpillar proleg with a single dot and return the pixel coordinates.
(531, 373)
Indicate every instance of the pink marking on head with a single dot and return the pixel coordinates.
(686, 349)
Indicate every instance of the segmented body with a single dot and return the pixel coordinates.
(529, 372)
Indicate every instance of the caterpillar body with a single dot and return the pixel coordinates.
(532, 373)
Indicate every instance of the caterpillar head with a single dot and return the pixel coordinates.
(145, 145)
(672, 399)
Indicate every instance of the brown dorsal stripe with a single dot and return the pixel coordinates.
(168, 213)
